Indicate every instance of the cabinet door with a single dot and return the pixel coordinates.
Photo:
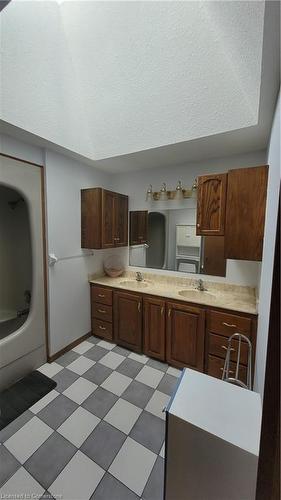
(214, 261)
(154, 328)
(120, 220)
(245, 213)
(107, 219)
(128, 320)
(185, 336)
(138, 227)
(211, 200)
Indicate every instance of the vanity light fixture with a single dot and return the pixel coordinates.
(179, 192)
(163, 192)
(149, 193)
(194, 185)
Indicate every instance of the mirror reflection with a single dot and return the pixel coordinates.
(166, 239)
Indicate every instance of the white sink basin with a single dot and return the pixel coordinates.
(197, 294)
(135, 284)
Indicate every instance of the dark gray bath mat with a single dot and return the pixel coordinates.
(22, 395)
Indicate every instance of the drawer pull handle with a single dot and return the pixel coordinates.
(162, 310)
(229, 324)
(139, 307)
(230, 371)
(101, 295)
(225, 348)
(102, 311)
(102, 327)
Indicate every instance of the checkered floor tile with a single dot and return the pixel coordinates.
(99, 435)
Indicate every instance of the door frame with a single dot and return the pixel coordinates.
(45, 243)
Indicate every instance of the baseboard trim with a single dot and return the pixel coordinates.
(57, 355)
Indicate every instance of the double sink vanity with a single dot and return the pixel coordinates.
(180, 321)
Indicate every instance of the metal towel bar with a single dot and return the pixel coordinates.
(226, 369)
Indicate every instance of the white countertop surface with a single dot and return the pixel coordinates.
(222, 295)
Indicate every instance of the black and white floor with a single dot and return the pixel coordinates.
(99, 435)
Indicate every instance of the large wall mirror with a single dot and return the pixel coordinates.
(166, 239)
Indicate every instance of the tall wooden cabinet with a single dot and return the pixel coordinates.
(211, 200)
(185, 335)
(245, 213)
(104, 219)
(128, 320)
(154, 327)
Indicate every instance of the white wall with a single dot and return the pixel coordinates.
(135, 185)
(268, 250)
(69, 297)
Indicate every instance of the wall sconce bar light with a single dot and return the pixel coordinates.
(165, 194)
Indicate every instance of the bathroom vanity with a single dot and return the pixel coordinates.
(168, 319)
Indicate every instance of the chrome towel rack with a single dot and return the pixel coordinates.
(226, 369)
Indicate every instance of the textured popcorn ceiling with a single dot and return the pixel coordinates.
(104, 79)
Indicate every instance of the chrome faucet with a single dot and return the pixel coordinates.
(139, 276)
(200, 286)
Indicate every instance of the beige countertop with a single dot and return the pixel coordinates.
(222, 295)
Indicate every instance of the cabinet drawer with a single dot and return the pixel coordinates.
(218, 346)
(227, 324)
(101, 311)
(102, 329)
(101, 295)
(215, 368)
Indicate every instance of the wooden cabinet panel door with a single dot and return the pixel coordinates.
(128, 320)
(138, 227)
(107, 219)
(185, 336)
(214, 261)
(120, 220)
(245, 213)
(211, 201)
(154, 328)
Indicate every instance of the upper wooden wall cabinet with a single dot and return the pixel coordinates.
(138, 227)
(104, 219)
(211, 200)
(245, 213)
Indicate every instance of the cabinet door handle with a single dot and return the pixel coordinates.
(169, 312)
(101, 295)
(230, 325)
(162, 310)
(140, 237)
(116, 239)
(139, 307)
(225, 348)
(102, 327)
(102, 311)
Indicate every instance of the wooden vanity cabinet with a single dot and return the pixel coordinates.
(128, 320)
(138, 227)
(154, 328)
(101, 312)
(104, 219)
(185, 330)
(182, 334)
(245, 213)
(219, 327)
(211, 203)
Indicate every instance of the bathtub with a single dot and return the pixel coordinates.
(10, 322)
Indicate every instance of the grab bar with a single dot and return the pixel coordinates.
(53, 259)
